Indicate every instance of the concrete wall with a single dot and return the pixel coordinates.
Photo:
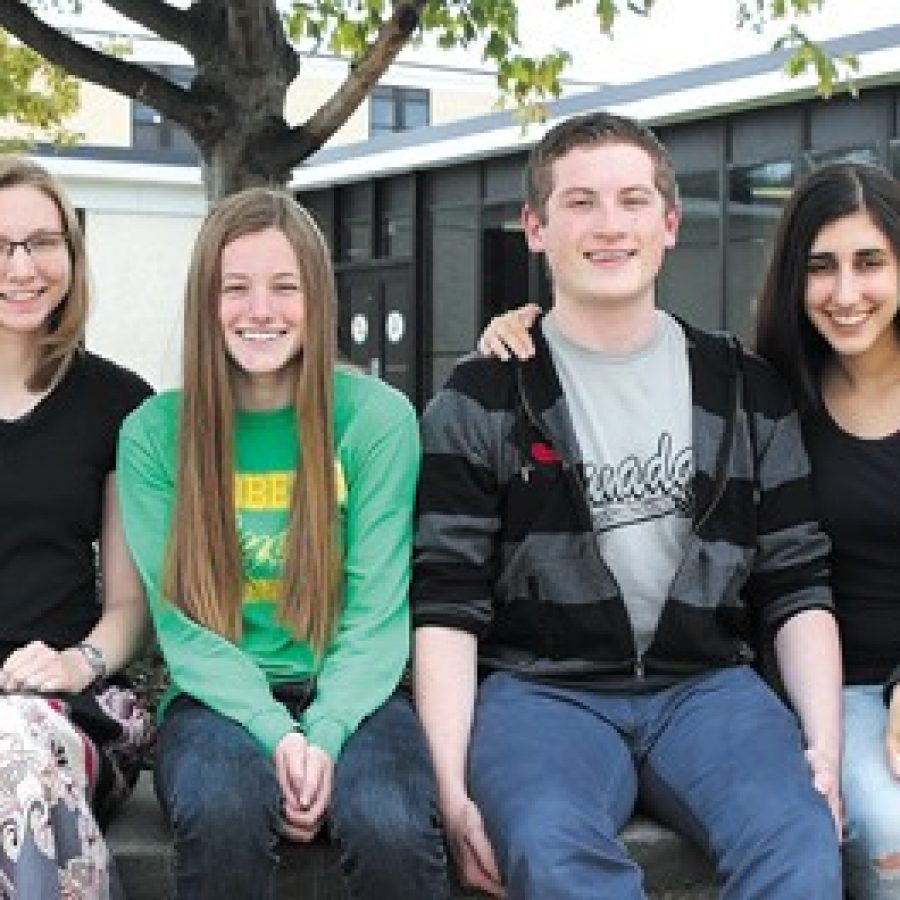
(140, 225)
(139, 265)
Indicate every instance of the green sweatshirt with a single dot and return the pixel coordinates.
(377, 461)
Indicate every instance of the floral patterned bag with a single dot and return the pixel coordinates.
(66, 761)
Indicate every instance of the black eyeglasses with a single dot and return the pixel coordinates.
(41, 246)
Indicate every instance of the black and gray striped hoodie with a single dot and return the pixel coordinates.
(505, 547)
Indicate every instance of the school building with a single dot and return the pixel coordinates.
(424, 223)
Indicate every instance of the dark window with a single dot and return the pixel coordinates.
(398, 109)
(895, 158)
(756, 194)
(151, 131)
(504, 255)
(394, 200)
(690, 283)
(865, 153)
(455, 279)
(355, 222)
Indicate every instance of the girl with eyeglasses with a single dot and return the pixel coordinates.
(268, 505)
(71, 605)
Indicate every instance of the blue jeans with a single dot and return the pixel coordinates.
(556, 774)
(871, 797)
(219, 791)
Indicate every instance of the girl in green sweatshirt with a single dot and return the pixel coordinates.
(268, 506)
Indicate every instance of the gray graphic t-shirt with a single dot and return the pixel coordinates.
(632, 419)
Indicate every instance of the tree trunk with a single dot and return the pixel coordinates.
(243, 74)
(227, 168)
(234, 108)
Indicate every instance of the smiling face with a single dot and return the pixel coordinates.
(32, 285)
(262, 312)
(606, 227)
(852, 286)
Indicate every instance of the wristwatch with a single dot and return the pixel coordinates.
(95, 659)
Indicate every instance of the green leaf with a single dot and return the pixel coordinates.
(34, 95)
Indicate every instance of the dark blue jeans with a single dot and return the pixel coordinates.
(219, 790)
(556, 774)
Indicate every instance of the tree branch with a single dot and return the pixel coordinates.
(296, 144)
(126, 78)
(172, 24)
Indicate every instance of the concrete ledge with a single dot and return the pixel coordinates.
(140, 842)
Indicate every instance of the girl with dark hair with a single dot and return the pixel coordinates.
(63, 626)
(268, 505)
(828, 321)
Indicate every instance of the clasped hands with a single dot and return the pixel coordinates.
(305, 776)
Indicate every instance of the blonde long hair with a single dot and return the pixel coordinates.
(66, 324)
(204, 572)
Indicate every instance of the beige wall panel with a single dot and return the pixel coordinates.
(104, 117)
(139, 264)
(356, 128)
(451, 106)
(308, 93)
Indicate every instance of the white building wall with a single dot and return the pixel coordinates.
(140, 226)
(139, 265)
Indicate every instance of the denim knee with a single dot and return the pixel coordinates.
(228, 814)
(794, 855)
(812, 851)
(872, 856)
(219, 791)
(871, 799)
(384, 815)
(556, 851)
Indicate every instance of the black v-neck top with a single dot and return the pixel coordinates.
(857, 483)
(54, 462)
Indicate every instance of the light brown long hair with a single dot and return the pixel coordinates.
(66, 324)
(204, 571)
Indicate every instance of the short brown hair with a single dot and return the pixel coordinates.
(65, 329)
(595, 128)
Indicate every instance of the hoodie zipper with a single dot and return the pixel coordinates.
(722, 456)
(724, 452)
(584, 505)
(581, 497)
